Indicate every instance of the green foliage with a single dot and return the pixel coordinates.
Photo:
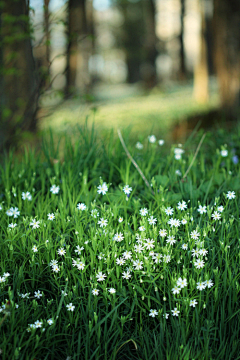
(118, 326)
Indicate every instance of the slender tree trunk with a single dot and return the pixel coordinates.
(132, 38)
(227, 52)
(20, 81)
(182, 67)
(76, 58)
(47, 31)
(148, 69)
(201, 78)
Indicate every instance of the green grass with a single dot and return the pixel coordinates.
(120, 106)
(118, 326)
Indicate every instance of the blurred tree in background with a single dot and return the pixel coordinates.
(227, 51)
(19, 81)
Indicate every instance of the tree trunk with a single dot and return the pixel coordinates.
(182, 67)
(20, 83)
(78, 48)
(227, 52)
(132, 38)
(201, 78)
(148, 68)
(47, 39)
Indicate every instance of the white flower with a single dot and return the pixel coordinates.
(141, 228)
(127, 189)
(139, 146)
(70, 307)
(152, 221)
(120, 219)
(6, 274)
(112, 290)
(216, 215)
(199, 264)
(37, 294)
(184, 221)
(100, 276)
(61, 251)
(78, 249)
(174, 222)
(12, 225)
(51, 216)
(50, 321)
(120, 261)
(176, 290)
(161, 142)
(80, 265)
(9, 212)
(55, 189)
(1, 207)
(157, 258)
(153, 313)
(127, 255)
(38, 324)
(102, 189)
(102, 222)
(94, 213)
(34, 249)
(118, 237)
(175, 312)
(171, 240)
(231, 195)
(35, 224)
(95, 292)
(220, 208)
(152, 139)
(2, 279)
(195, 235)
(209, 283)
(26, 196)
(55, 268)
(202, 209)
(182, 283)
(182, 205)
(224, 153)
(178, 172)
(137, 264)
(81, 206)
(149, 244)
(143, 212)
(169, 211)
(184, 246)
(193, 303)
(162, 232)
(126, 275)
(201, 285)
(178, 156)
(166, 315)
(15, 212)
(178, 151)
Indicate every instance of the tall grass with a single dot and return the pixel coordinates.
(117, 325)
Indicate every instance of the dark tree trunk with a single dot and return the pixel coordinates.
(148, 68)
(19, 81)
(77, 32)
(182, 67)
(227, 52)
(47, 31)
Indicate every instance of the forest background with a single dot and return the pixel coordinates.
(61, 60)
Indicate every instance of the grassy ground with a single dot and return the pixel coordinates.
(125, 105)
(89, 275)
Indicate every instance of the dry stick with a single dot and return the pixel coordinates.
(133, 161)
(195, 155)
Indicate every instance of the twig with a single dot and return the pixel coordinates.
(133, 161)
(195, 155)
